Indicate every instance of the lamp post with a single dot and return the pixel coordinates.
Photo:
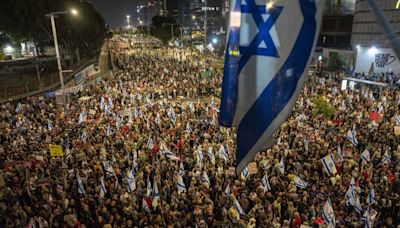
(52, 15)
(128, 20)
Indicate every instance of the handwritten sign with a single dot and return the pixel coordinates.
(56, 150)
(252, 168)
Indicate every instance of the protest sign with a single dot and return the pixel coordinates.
(56, 150)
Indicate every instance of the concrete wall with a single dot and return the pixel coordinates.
(384, 60)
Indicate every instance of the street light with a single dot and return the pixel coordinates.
(128, 17)
(52, 15)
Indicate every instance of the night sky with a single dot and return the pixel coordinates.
(115, 11)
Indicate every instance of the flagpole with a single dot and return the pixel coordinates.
(387, 27)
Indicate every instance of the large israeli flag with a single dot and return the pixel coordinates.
(269, 47)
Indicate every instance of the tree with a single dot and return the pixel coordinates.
(25, 20)
(162, 28)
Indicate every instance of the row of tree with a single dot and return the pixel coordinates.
(79, 36)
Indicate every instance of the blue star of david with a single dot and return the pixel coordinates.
(263, 34)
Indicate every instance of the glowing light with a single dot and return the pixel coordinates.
(398, 4)
(235, 19)
(215, 40)
(373, 50)
(74, 12)
(269, 5)
(9, 49)
(320, 58)
(358, 47)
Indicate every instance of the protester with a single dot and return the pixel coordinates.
(144, 149)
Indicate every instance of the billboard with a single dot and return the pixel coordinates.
(383, 60)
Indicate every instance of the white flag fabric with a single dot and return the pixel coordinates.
(156, 195)
(351, 136)
(265, 183)
(82, 117)
(131, 181)
(228, 190)
(205, 178)
(340, 154)
(282, 166)
(223, 154)
(149, 188)
(181, 169)
(366, 155)
(245, 173)
(269, 47)
(49, 125)
(150, 143)
(188, 128)
(329, 165)
(81, 189)
(181, 185)
(386, 158)
(398, 120)
(328, 214)
(238, 207)
(103, 190)
(211, 155)
(199, 155)
(300, 182)
(371, 197)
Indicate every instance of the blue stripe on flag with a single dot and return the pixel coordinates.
(326, 166)
(280, 90)
(230, 79)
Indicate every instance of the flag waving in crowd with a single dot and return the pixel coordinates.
(265, 65)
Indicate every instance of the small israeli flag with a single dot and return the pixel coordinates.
(398, 120)
(49, 125)
(245, 173)
(199, 155)
(265, 183)
(350, 196)
(386, 158)
(367, 219)
(227, 190)
(191, 107)
(366, 155)
(81, 189)
(107, 110)
(328, 163)
(357, 205)
(237, 206)
(156, 195)
(102, 103)
(371, 197)
(103, 190)
(131, 181)
(351, 136)
(181, 169)
(150, 143)
(188, 128)
(108, 131)
(269, 47)
(205, 178)
(82, 117)
(84, 136)
(18, 108)
(181, 185)
(110, 102)
(223, 154)
(211, 155)
(149, 188)
(340, 154)
(305, 144)
(282, 167)
(158, 119)
(300, 183)
(328, 214)
(172, 116)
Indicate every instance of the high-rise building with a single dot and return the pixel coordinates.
(337, 24)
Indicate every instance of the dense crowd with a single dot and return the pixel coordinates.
(391, 78)
(135, 154)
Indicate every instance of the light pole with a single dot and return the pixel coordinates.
(52, 15)
(128, 20)
(205, 35)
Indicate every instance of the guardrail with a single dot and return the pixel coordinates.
(50, 87)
